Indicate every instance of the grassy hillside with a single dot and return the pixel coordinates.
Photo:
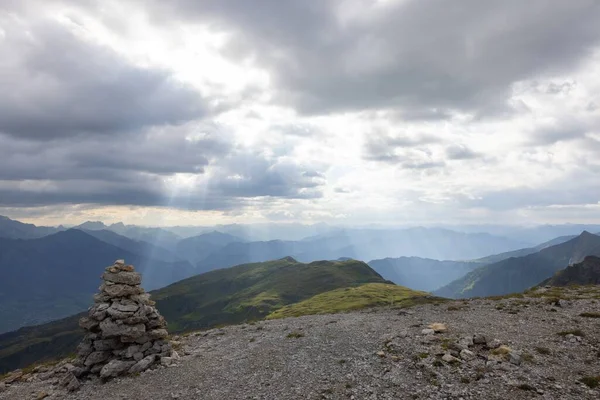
(252, 291)
(519, 273)
(352, 298)
(243, 293)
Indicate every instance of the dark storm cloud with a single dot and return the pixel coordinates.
(405, 54)
(57, 84)
(137, 171)
(161, 151)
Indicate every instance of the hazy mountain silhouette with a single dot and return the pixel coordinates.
(519, 273)
(422, 273)
(55, 276)
(12, 229)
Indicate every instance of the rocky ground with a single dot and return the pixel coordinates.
(515, 348)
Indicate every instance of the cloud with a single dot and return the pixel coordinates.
(384, 146)
(460, 152)
(57, 83)
(561, 130)
(194, 168)
(361, 54)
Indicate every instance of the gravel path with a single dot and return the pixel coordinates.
(335, 357)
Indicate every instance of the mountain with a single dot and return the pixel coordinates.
(524, 252)
(586, 272)
(434, 243)
(156, 236)
(91, 226)
(12, 229)
(360, 244)
(252, 291)
(55, 276)
(422, 273)
(519, 273)
(233, 295)
(138, 247)
(198, 248)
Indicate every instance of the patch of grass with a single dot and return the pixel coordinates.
(590, 315)
(526, 387)
(591, 381)
(295, 335)
(576, 332)
(506, 296)
(445, 344)
(423, 355)
(543, 350)
(527, 357)
(501, 351)
(438, 363)
(353, 298)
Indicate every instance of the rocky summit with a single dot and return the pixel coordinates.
(542, 344)
(125, 332)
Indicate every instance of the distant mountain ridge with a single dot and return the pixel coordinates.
(12, 229)
(519, 273)
(56, 275)
(422, 273)
(586, 272)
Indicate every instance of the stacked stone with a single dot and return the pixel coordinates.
(125, 332)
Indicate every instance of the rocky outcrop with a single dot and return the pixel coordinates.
(125, 332)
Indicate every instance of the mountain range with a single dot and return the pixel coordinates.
(516, 274)
(57, 268)
(55, 276)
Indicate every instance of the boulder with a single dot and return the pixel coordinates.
(127, 278)
(143, 364)
(479, 339)
(96, 357)
(120, 290)
(111, 328)
(115, 368)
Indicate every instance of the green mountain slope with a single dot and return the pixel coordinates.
(252, 291)
(228, 296)
(586, 272)
(519, 273)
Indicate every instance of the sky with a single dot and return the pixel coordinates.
(347, 112)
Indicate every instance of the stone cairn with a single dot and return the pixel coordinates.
(125, 334)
